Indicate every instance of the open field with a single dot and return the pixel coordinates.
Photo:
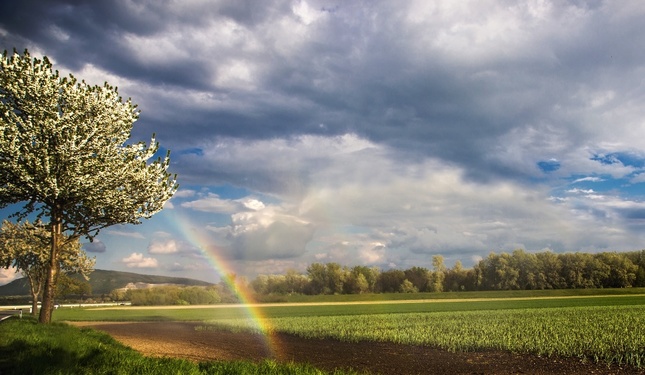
(474, 332)
(335, 308)
(190, 340)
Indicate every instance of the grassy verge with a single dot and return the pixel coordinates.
(30, 348)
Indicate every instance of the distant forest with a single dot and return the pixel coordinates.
(518, 270)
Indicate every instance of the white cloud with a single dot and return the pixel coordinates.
(212, 203)
(185, 193)
(588, 179)
(580, 191)
(164, 243)
(638, 178)
(414, 208)
(279, 166)
(8, 275)
(374, 253)
(253, 204)
(123, 233)
(163, 247)
(305, 12)
(268, 231)
(137, 260)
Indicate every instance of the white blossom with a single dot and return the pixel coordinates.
(64, 152)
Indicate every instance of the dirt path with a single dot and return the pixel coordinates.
(182, 339)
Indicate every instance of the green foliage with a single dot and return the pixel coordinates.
(26, 246)
(174, 295)
(390, 281)
(408, 287)
(67, 286)
(28, 348)
(521, 270)
(518, 270)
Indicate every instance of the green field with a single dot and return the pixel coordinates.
(59, 349)
(611, 334)
(333, 308)
(591, 325)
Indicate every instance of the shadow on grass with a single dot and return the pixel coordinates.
(22, 357)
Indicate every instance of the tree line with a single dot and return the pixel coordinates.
(518, 270)
(170, 295)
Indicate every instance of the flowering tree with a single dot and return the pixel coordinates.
(26, 246)
(63, 156)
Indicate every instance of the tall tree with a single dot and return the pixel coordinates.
(390, 281)
(456, 278)
(318, 279)
(64, 156)
(420, 277)
(438, 274)
(25, 247)
(67, 285)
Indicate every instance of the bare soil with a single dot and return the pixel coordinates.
(184, 340)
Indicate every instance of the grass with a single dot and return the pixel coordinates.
(309, 310)
(606, 325)
(495, 294)
(30, 348)
(609, 334)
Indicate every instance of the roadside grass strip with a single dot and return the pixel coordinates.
(605, 334)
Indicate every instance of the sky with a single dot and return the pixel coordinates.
(374, 133)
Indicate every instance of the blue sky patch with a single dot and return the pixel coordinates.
(627, 159)
(548, 165)
(192, 151)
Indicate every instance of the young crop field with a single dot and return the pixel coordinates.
(600, 328)
(611, 334)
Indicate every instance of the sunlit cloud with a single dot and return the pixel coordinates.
(137, 260)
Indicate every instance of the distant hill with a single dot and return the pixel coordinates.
(103, 282)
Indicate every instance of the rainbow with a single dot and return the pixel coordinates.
(198, 238)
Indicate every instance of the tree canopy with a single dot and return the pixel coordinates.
(518, 270)
(25, 247)
(64, 156)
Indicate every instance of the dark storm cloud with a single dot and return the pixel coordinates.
(421, 86)
(94, 247)
(80, 32)
(466, 117)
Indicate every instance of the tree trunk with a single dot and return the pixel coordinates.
(34, 305)
(34, 296)
(47, 306)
